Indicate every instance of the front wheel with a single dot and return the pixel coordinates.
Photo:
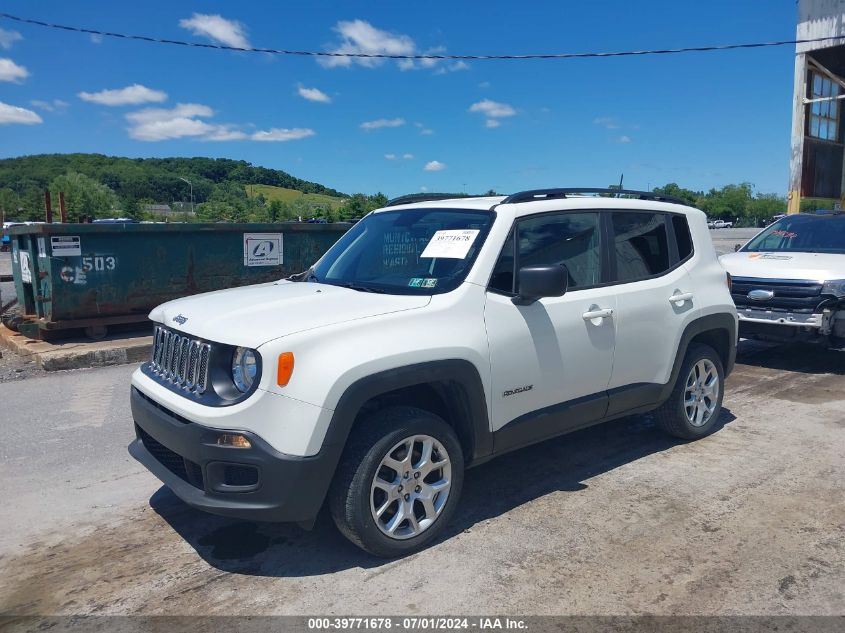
(693, 408)
(398, 482)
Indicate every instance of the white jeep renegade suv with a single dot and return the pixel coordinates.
(433, 336)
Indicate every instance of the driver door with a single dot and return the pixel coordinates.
(550, 361)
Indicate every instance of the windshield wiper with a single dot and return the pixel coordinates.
(307, 275)
(354, 286)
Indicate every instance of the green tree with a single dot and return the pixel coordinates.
(84, 196)
(274, 211)
(9, 204)
(675, 190)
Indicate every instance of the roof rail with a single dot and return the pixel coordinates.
(549, 194)
(425, 197)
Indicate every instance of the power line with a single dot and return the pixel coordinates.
(277, 51)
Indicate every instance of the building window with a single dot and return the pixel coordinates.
(824, 115)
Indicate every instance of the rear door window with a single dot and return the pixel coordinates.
(640, 245)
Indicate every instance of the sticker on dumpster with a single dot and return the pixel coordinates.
(67, 274)
(26, 271)
(66, 245)
(42, 248)
(262, 249)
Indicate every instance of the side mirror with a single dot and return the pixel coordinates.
(536, 282)
(737, 247)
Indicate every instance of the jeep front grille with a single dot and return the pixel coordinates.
(180, 360)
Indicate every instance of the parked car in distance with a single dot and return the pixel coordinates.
(789, 280)
(720, 224)
(434, 336)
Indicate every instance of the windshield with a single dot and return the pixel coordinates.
(802, 233)
(416, 251)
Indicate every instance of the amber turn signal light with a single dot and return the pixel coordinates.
(285, 369)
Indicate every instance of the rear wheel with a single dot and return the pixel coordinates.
(693, 408)
(398, 482)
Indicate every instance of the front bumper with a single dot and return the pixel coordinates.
(780, 317)
(256, 483)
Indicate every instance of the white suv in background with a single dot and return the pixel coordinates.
(789, 281)
(434, 336)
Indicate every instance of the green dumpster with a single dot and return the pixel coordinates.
(91, 276)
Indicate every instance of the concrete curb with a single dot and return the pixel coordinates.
(76, 353)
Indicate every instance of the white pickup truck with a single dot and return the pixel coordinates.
(719, 224)
(789, 281)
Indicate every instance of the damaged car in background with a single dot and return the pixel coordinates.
(789, 281)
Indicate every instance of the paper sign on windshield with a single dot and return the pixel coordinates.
(450, 244)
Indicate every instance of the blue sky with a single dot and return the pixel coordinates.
(698, 119)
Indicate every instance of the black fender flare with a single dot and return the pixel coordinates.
(456, 371)
(724, 322)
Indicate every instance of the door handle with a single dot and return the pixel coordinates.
(601, 313)
(680, 297)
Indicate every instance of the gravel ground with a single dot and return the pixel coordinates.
(617, 519)
(14, 367)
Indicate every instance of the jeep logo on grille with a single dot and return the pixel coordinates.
(761, 295)
(181, 320)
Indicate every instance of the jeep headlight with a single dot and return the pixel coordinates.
(244, 368)
(835, 288)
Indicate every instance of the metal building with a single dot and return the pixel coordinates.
(818, 137)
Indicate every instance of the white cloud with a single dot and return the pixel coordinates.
(484, 84)
(96, 38)
(390, 156)
(185, 120)
(282, 134)
(380, 123)
(623, 139)
(359, 36)
(608, 122)
(160, 124)
(407, 156)
(493, 111)
(423, 188)
(135, 94)
(8, 38)
(225, 133)
(10, 71)
(217, 29)
(424, 131)
(434, 165)
(452, 68)
(313, 94)
(49, 106)
(15, 114)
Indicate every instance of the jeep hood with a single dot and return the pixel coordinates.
(252, 315)
(781, 265)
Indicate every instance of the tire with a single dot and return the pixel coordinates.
(702, 417)
(12, 318)
(356, 491)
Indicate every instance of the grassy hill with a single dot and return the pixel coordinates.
(286, 195)
(136, 181)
